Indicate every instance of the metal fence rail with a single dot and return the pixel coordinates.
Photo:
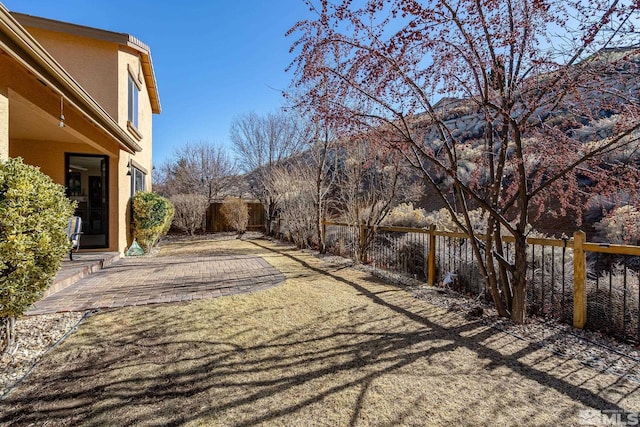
(613, 290)
(550, 275)
(341, 239)
(400, 251)
(588, 284)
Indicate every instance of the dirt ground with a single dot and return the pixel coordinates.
(331, 346)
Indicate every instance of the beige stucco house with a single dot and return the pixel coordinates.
(78, 102)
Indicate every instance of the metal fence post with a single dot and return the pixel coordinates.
(363, 240)
(579, 280)
(431, 261)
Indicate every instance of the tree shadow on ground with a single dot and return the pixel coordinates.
(387, 363)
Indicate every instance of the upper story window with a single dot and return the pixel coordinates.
(132, 110)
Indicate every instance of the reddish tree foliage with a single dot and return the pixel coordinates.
(502, 105)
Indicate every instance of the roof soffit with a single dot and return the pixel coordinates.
(16, 41)
(122, 39)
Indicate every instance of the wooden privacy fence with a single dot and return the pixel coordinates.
(593, 285)
(216, 222)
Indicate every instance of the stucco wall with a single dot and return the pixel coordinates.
(92, 63)
(50, 158)
(124, 201)
(4, 124)
(129, 63)
(129, 60)
(102, 69)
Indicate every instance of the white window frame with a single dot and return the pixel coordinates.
(133, 92)
(135, 175)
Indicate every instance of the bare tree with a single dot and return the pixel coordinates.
(260, 143)
(190, 211)
(324, 162)
(371, 181)
(198, 168)
(294, 182)
(304, 184)
(489, 105)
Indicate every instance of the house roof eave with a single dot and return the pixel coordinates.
(31, 55)
(104, 35)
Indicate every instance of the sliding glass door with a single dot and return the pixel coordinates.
(87, 178)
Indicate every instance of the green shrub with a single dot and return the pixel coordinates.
(34, 214)
(152, 216)
(168, 219)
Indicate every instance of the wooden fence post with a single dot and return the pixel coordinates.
(431, 261)
(579, 280)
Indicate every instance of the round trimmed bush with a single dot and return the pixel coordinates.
(34, 214)
(152, 216)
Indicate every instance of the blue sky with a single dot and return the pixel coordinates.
(214, 60)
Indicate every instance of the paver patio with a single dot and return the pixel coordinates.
(149, 280)
(330, 346)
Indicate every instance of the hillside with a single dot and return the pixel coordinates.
(588, 116)
(591, 113)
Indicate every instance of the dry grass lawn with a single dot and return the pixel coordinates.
(331, 346)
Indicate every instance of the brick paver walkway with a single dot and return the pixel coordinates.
(149, 280)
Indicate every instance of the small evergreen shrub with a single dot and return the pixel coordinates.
(190, 210)
(34, 214)
(152, 216)
(236, 213)
(168, 220)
